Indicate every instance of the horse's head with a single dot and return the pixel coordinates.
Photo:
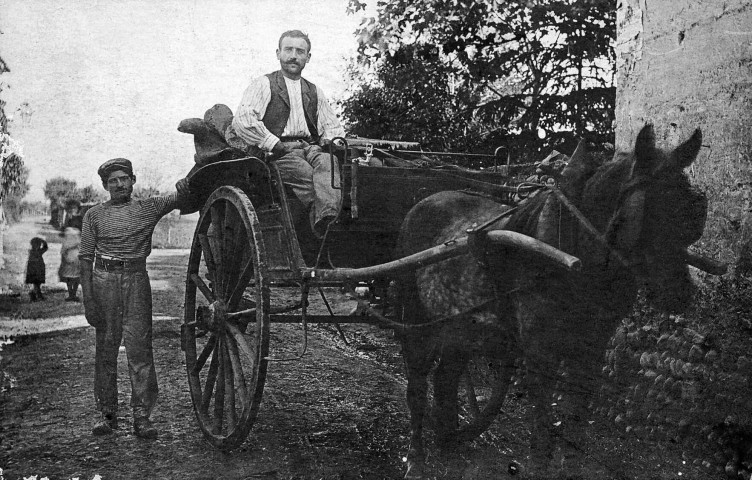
(650, 214)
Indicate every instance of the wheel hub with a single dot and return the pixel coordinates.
(210, 317)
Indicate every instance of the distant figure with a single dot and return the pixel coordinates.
(35, 270)
(69, 271)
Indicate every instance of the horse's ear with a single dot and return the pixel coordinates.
(645, 150)
(580, 167)
(685, 154)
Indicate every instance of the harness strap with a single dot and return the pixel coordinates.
(446, 318)
(586, 224)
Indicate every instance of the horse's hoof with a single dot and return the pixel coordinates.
(414, 471)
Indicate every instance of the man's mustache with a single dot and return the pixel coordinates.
(292, 62)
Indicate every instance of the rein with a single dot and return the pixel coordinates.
(589, 228)
(446, 318)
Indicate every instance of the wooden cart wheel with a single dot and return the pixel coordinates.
(226, 329)
(481, 394)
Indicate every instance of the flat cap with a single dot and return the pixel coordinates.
(112, 165)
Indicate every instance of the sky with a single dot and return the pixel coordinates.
(114, 78)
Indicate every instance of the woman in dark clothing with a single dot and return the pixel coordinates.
(35, 270)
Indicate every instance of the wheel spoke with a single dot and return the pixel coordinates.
(208, 348)
(215, 235)
(211, 378)
(242, 343)
(240, 285)
(203, 288)
(219, 394)
(211, 264)
(236, 240)
(231, 415)
(237, 371)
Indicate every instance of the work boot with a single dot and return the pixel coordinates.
(143, 428)
(106, 424)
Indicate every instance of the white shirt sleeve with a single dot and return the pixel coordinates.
(247, 122)
(328, 123)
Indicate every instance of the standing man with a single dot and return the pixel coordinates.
(115, 241)
(286, 115)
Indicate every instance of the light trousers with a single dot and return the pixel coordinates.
(308, 171)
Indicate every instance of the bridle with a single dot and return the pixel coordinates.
(602, 238)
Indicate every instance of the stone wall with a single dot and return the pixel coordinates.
(681, 65)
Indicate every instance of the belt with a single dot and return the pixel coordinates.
(296, 139)
(119, 265)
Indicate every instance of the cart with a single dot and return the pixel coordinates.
(248, 248)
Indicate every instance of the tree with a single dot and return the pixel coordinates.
(13, 202)
(530, 75)
(411, 98)
(90, 194)
(13, 174)
(58, 191)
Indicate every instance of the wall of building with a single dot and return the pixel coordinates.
(685, 64)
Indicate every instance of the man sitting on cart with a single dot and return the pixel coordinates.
(289, 118)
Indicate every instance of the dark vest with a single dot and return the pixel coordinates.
(278, 110)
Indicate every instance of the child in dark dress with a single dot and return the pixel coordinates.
(35, 270)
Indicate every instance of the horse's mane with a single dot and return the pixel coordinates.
(603, 188)
(599, 183)
(525, 219)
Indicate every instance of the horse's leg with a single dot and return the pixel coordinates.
(539, 386)
(417, 355)
(583, 379)
(540, 344)
(445, 386)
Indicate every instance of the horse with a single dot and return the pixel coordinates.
(629, 221)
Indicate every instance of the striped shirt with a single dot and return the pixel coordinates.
(247, 124)
(123, 230)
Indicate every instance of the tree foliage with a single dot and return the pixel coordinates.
(91, 194)
(14, 175)
(13, 200)
(58, 190)
(504, 72)
(411, 101)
